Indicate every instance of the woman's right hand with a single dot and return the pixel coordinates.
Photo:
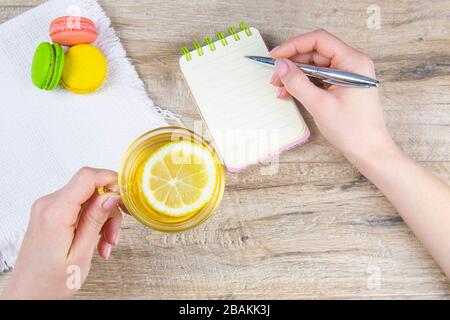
(352, 120)
(349, 118)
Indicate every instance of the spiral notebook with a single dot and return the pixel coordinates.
(246, 121)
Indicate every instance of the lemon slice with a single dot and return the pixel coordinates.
(179, 178)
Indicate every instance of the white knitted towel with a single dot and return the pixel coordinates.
(47, 136)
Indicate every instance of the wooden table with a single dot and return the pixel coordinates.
(318, 229)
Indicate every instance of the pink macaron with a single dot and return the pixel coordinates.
(71, 30)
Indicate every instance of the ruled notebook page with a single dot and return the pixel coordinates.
(237, 103)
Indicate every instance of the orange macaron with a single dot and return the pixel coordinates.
(72, 30)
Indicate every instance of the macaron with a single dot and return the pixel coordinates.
(72, 30)
(85, 69)
(47, 66)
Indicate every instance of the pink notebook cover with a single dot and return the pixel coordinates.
(301, 140)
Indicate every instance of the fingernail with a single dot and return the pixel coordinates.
(274, 49)
(279, 92)
(116, 237)
(281, 67)
(114, 187)
(108, 249)
(111, 202)
(274, 76)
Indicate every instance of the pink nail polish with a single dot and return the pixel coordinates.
(281, 67)
(274, 49)
(110, 203)
(274, 76)
(107, 252)
(116, 237)
(279, 92)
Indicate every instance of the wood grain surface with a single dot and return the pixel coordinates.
(317, 229)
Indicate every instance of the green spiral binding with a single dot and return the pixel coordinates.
(244, 27)
(220, 37)
(210, 43)
(233, 32)
(198, 47)
(185, 51)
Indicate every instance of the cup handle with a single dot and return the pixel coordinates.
(113, 188)
(109, 188)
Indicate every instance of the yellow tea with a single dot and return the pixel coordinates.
(171, 180)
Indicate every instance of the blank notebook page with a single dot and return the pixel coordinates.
(246, 121)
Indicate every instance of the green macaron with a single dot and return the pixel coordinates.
(48, 65)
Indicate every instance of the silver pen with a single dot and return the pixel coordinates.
(327, 75)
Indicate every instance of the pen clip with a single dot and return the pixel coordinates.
(314, 74)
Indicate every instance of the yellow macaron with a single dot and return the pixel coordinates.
(85, 69)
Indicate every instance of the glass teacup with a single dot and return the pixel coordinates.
(130, 181)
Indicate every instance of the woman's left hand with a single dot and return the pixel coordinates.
(62, 234)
